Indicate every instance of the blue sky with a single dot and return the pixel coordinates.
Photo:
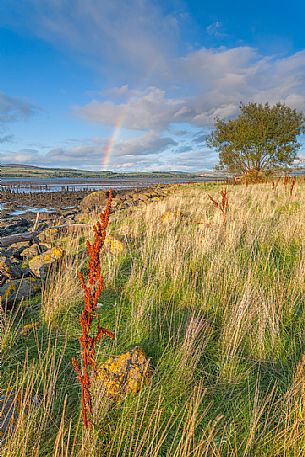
(155, 73)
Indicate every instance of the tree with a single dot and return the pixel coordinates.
(261, 139)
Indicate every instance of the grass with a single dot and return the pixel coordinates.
(218, 307)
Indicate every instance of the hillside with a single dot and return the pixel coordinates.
(29, 171)
(219, 309)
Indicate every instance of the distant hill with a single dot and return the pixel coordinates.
(30, 171)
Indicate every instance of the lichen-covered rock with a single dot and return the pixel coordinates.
(94, 201)
(8, 270)
(143, 197)
(169, 217)
(124, 374)
(34, 250)
(40, 264)
(49, 235)
(28, 328)
(17, 248)
(114, 245)
(18, 289)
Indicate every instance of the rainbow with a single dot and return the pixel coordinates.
(112, 140)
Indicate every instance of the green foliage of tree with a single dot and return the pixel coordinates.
(260, 140)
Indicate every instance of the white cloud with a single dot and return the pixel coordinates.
(14, 108)
(220, 79)
(148, 109)
(90, 154)
(117, 91)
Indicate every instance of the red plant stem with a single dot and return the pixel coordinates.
(286, 181)
(92, 289)
(223, 206)
(292, 186)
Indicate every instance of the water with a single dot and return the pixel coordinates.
(28, 209)
(58, 187)
(28, 185)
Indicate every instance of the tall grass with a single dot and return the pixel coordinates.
(218, 307)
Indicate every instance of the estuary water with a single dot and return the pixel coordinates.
(29, 185)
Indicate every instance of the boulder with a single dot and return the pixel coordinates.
(17, 226)
(28, 328)
(169, 217)
(40, 264)
(124, 374)
(17, 248)
(114, 245)
(94, 201)
(143, 198)
(49, 235)
(8, 270)
(34, 250)
(13, 404)
(18, 289)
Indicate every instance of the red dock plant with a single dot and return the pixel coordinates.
(286, 181)
(292, 186)
(223, 206)
(92, 288)
(275, 184)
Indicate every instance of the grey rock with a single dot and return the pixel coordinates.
(18, 289)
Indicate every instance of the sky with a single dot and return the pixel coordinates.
(131, 85)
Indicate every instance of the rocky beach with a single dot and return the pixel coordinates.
(32, 223)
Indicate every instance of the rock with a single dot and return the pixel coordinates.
(34, 250)
(143, 197)
(40, 264)
(94, 201)
(8, 270)
(49, 235)
(169, 217)
(11, 405)
(18, 289)
(114, 245)
(9, 412)
(26, 329)
(127, 204)
(17, 248)
(18, 226)
(125, 373)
